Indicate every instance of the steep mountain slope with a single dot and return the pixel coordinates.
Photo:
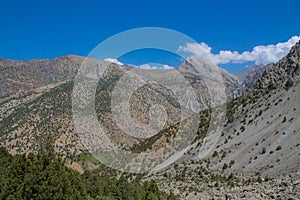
(26, 117)
(284, 74)
(264, 133)
(197, 66)
(250, 75)
(257, 155)
(19, 76)
(264, 137)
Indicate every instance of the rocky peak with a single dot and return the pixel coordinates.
(202, 68)
(284, 74)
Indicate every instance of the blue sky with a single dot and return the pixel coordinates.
(47, 29)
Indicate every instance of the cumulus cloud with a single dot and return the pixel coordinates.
(166, 67)
(113, 60)
(262, 54)
(147, 66)
(143, 66)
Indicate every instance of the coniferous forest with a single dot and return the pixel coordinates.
(44, 176)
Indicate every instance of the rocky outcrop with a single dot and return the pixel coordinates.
(284, 74)
(250, 75)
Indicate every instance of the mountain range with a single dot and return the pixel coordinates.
(256, 155)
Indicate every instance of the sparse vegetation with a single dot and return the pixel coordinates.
(242, 128)
(225, 166)
(215, 154)
(263, 151)
(223, 155)
(284, 119)
(278, 148)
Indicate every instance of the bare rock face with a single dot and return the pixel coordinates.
(262, 133)
(250, 75)
(201, 68)
(284, 74)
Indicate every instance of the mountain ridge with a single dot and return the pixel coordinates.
(260, 138)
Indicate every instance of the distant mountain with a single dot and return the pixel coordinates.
(200, 67)
(250, 75)
(54, 101)
(19, 76)
(22, 76)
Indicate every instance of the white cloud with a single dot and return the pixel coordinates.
(262, 54)
(113, 60)
(167, 67)
(147, 66)
(143, 66)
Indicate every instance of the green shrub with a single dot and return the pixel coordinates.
(242, 128)
(284, 119)
(215, 154)
(278, 148)
(225, 166)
